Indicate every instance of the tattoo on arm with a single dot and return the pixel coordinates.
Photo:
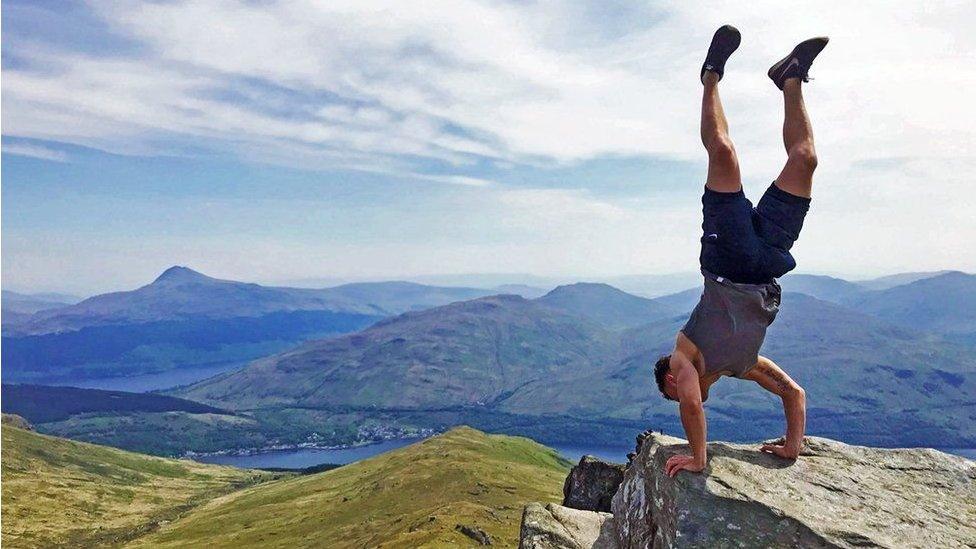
(782, 383)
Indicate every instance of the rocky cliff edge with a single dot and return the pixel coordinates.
(834, 495)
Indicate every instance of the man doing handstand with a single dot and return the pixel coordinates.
(743, 251)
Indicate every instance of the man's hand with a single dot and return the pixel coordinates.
(682, 462)
(773, 379)
(781, 449)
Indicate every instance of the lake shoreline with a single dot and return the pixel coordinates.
(299, 457)
(281, 448)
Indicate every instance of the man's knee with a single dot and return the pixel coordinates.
(804, 156)
(722, 151)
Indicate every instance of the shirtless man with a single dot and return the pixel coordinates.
(743, 251)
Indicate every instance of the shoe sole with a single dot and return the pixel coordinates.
(737, 41)
(792, 55)
(734, 46)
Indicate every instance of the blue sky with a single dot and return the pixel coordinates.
(276, 141)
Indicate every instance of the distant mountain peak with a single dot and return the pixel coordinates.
(180, 274)
(579, 287)
(954, 275)
(609, 306)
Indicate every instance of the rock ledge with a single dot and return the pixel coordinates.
(834, 495)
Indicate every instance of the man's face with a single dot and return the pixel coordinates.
(670, 386)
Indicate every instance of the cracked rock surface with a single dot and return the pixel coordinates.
(591, 484)
(834, 495)
(557, 527)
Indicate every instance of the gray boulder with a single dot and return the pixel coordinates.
(558, 527)
(591, 484)
(834, 495)
(17, 421)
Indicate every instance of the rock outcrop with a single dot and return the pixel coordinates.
(17, 421)
(834, 495)
(477, 534)
(591, 484)
(558, 527)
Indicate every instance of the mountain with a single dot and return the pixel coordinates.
(606, 305)
(941, 304)
(180, 293)
(185, 320)
(867, 381)
(58, 492)
(396, 297)
(17, 307)
(528, 292)
(471, 353)
(890, 281)
(447, 491)
(31, 303)
(153, 355)
(827, 288)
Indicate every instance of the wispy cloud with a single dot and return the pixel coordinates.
(461, 95)
(465, 80)
(35, 151)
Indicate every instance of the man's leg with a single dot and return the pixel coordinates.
(788, 74)
(797, 175)
(723, 165)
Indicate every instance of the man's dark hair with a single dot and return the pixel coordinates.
(661, 368)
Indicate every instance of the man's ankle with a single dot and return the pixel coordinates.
(791, 82)
(709, 77)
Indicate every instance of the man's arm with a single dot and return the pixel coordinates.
(775, 380)
(692, 416)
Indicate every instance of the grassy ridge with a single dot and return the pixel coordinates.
(61, 492)
(42, 404)
(414, 496)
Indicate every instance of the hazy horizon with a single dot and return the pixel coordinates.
(670, 282)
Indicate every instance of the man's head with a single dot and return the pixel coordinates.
(665, 381)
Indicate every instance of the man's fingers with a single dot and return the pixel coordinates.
(673, 462)
(673, 465)
(673, 470)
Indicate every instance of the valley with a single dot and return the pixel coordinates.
(569, 366)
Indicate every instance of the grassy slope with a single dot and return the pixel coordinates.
(61, 492)
(415, 496)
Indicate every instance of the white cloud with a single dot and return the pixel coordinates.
(404, 76)
(386, 86)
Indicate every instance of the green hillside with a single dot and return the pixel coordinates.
(61, 492)
(411, 497)
(471, 353)
(867, 381)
